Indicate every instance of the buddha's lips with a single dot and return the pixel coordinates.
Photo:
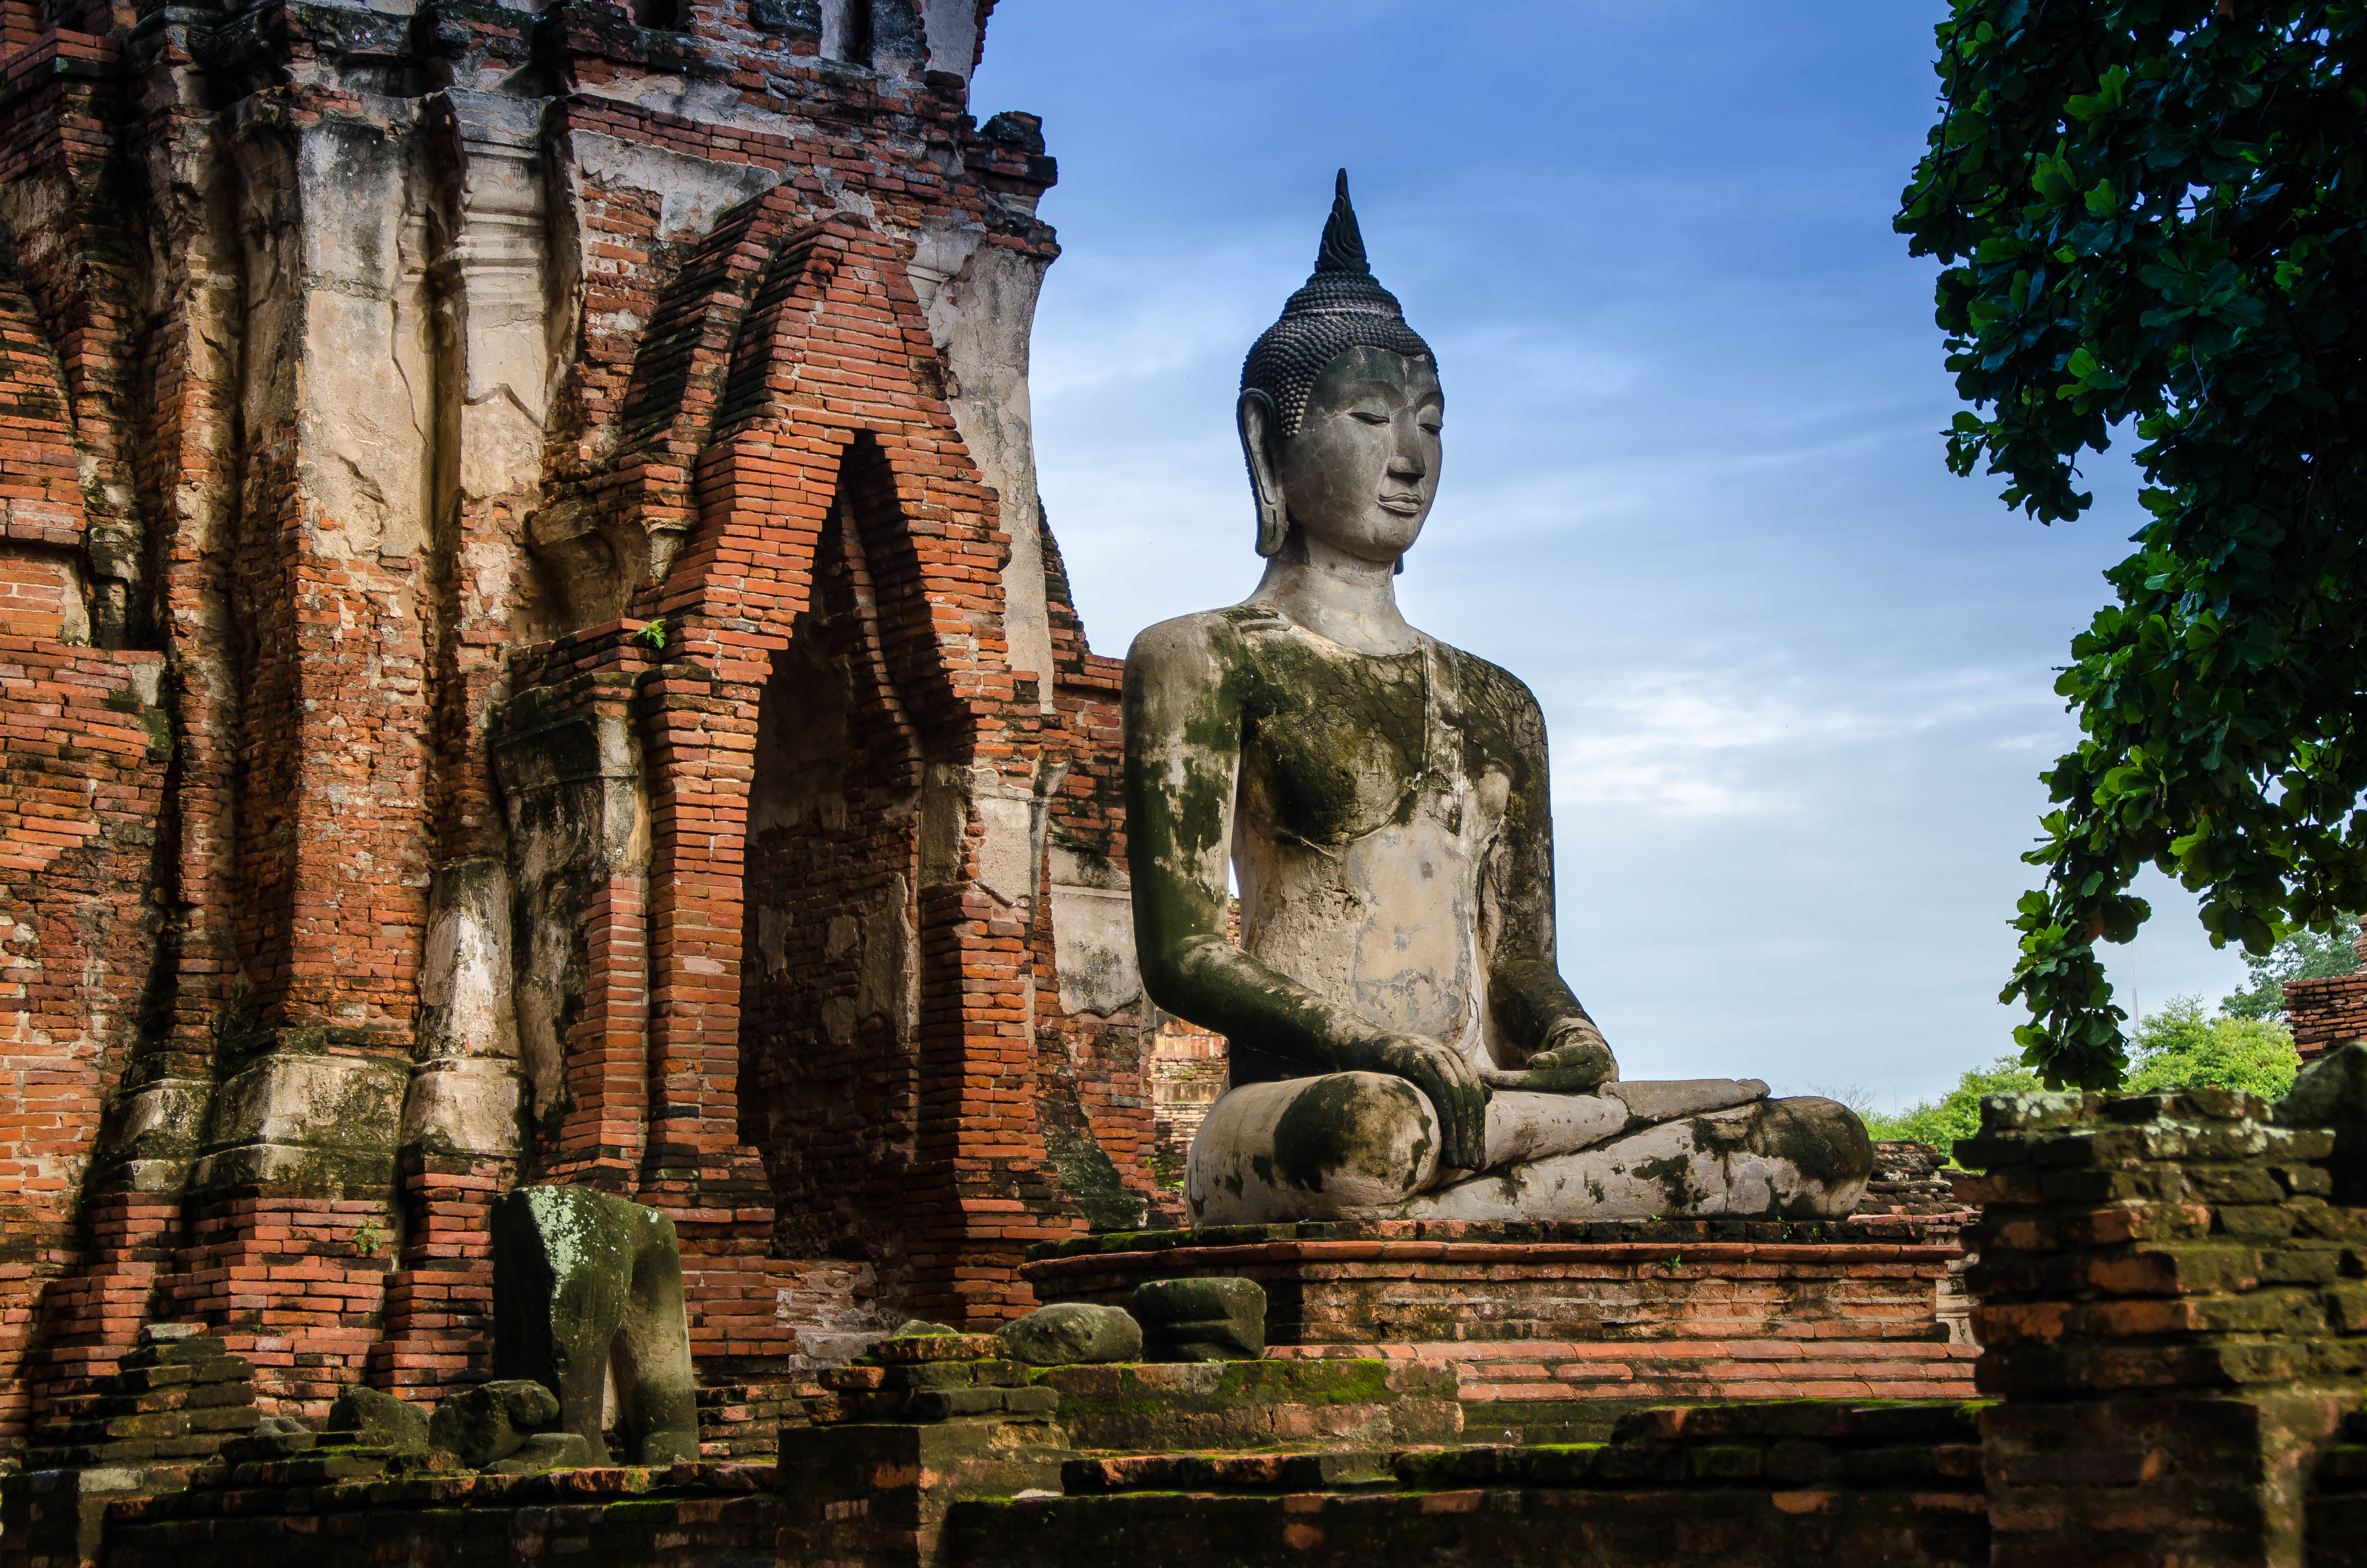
(1404, 505)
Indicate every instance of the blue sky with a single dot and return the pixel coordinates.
(1798, 677)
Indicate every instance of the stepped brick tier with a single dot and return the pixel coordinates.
(2172, 1305)
(1554, 1330)
(2170, 1302)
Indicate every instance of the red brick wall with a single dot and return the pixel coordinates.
(85, 752)
(825, 364)
(82, 777)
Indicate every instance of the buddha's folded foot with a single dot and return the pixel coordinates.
(1365, 1145)
(1799, 1159)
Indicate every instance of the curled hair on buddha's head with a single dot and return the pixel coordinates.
(1340, 307)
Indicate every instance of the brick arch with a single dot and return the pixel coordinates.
(833, 391)
(831, 1084)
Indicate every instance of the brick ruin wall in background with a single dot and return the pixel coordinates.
(2325, 1012)
(408, 488)
(1094, 1094)
(1188, 1071)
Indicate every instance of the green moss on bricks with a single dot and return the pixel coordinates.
(1228, 1385)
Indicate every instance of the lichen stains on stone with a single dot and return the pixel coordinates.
(1352, 1124)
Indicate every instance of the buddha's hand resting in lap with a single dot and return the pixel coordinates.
(1576, 1060)
(1445, 1077)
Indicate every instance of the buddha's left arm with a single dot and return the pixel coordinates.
(1536, 1011)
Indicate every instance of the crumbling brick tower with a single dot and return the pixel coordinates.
(531, 653)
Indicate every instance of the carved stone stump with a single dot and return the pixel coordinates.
(587, 1284)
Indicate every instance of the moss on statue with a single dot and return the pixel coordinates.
(586, 1283)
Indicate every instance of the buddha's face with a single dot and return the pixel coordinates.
(1362, 470)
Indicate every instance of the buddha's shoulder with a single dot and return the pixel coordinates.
(1224, 634)
(1480, 681)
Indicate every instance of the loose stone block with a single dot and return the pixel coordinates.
(586, 1284)
(376, 1419)
(492, 1420)
(1201, 1320)
(1072, 1333)
(544, 1450)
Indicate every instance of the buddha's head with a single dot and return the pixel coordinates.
(1340, 410)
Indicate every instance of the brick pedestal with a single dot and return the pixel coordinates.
(1557, 1331)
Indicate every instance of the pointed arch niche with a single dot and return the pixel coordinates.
(829, 977)
(844, 818)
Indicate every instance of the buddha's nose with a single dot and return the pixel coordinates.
(1406, 463)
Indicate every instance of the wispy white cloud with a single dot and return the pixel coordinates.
(1736, 740)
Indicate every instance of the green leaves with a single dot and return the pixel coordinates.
(2153, 215)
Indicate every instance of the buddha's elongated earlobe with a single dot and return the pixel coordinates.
(1256, 415)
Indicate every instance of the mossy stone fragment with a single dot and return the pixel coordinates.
(1072, 1333)
(1219, 1319)
(587, 1285)
(492, 1420)
(376, 1419)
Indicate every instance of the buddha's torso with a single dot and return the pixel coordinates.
(1373, 791)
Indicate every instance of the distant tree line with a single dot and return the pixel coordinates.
(2245, 1046)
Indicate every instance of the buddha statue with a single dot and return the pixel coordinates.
(1403, 1045)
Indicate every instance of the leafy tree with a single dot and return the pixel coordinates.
(1957, 1113)
(2175, 1047)
(2305, 955)
(2179, 1047)
(2153, 213)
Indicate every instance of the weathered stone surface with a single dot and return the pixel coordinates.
(1071, 1334)
(587, 1294)
(1162, 1407)
(1219, 1319)
(904, 1349)
(544, 1450)
(492, 1420)
(375, 1418)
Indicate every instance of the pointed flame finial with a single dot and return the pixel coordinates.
(1343, 242)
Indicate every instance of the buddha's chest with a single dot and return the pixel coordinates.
(1344, 747)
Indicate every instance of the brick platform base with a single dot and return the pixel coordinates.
(1555, 1337)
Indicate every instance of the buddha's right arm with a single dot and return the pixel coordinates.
(1185, 683)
